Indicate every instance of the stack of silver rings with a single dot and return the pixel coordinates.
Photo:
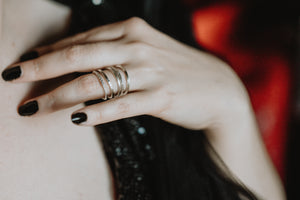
(121, 78)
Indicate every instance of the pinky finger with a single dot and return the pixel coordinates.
(132, 104)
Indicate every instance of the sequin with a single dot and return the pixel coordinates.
(141, 130)
(97, 2)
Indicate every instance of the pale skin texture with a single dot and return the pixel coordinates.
(169, 80)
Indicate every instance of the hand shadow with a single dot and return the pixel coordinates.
(42, 87)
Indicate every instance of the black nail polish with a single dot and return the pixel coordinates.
(29, 56)
(78, 118)
(11, 73)
(29, 108)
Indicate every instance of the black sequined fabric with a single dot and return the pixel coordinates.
(130, 153)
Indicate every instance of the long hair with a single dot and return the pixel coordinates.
(187, 167)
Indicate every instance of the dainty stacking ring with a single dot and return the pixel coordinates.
(110, 94)
(121, 78)
(101, 80)
(126, 85)
(118, 78)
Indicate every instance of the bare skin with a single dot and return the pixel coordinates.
(213, 98)
(47, 157)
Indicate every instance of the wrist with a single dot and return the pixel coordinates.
(236, 120)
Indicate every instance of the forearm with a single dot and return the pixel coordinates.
(238, 142)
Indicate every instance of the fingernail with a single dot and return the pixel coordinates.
(29, 108)
(78, 118)
(11, 73)
(29, 56)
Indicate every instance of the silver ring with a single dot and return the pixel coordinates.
(121, 78)
(101, 81)
(118, 78)
(110, 94)
(126, 88)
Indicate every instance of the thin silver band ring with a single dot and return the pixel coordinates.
(101, 81)
(110, 87)
(126, 88)
(118, 78)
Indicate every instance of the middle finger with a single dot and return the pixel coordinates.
(84, 88)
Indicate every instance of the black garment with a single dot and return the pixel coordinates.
(130, 155)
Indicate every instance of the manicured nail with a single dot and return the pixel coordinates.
(29, 108)
(11, 73)
(29, 56)
(78, 118)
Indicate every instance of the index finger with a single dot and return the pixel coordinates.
(78, 58)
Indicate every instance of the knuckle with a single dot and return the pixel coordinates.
(159, 71)
(146, 68)
(72, 53)
(141, 50)
(164, 104)
(135, 25)
(155, 71)
(88, 84)
(36, 67)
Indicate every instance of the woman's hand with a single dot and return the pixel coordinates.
(167, 79)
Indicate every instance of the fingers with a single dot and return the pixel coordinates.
(119, 43)
(133, 104)
(84, 88)
(77, 58)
